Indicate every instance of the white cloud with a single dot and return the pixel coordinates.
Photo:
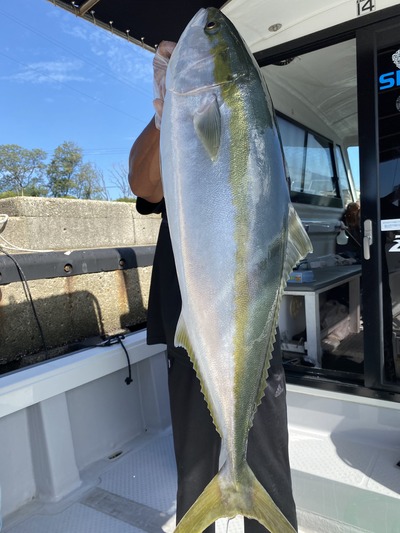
(62, 71)
(121, 58)
(130, 62)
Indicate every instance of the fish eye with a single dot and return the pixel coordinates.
(211, 27)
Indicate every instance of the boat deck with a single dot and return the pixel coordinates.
(131, 493)
(134, 491)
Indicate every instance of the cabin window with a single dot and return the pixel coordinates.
(310, 160)
(344, 184)
(293, 139)
(318, 174)
(354, 160)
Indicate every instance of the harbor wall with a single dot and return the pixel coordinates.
(72, 309)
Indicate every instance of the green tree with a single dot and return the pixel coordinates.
(130, 200)
(89, 183)
(36, 188)
(21, 168)
(68, 175)
(63, 169)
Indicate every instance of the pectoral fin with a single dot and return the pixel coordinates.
(207, 125)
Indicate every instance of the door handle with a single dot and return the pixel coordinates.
(367, 240)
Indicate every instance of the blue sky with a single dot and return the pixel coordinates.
(64, 79)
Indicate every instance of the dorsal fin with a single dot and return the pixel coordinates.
(297, 247)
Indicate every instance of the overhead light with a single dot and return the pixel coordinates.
(86, 6)
(285, 62)
(275, 27)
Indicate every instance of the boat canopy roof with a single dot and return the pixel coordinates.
(262, 23)
(144, 23)
(268, 27)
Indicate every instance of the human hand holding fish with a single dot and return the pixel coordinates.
(144, 158)
(160, 64)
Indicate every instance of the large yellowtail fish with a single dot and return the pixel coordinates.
(236, 238)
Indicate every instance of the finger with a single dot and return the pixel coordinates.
(165, 49)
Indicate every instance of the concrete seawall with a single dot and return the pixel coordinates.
(61, 224)
(75, 307)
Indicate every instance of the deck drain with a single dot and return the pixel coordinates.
(114, 455)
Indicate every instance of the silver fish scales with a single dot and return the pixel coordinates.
(236, 238)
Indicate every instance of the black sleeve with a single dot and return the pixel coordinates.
(147, 208)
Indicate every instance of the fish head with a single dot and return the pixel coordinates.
(209, 53)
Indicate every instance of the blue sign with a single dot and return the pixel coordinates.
(389, 80)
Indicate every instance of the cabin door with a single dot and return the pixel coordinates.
(378, 63)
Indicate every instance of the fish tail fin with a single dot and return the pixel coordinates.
(226, 497)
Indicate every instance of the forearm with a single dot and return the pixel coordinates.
(144, 165)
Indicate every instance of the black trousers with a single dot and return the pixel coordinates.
(197, 443)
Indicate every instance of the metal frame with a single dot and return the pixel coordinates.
(368, 41)
(41, 265)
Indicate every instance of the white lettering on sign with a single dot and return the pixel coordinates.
(396, 245)
(365, 6)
